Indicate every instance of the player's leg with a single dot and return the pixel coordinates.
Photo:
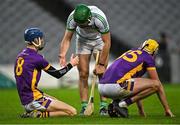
(47, 106)
(59, 108)
(63, 106)
(84, 50)
(159, 90)
(83, 68)
(141, 84)
(131, 90)
(142, 88)
(116, 92)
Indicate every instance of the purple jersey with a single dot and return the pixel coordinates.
(132, 64)
(27, 72)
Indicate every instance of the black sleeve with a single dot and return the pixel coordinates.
(59, 73)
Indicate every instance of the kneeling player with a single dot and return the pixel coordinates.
(122, 81)
(27, 71)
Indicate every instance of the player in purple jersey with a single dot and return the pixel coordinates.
(27, 70)
(123, 80)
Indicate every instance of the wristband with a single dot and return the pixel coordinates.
(69, 66)
(101, 64)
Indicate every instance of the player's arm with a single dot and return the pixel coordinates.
(101, 67)
(105, 51)
(161, 93)
(103, 27)
(58, 73)
(140, 108)
(74, 60)
(153, 73)
(65, 43)
(64, 46)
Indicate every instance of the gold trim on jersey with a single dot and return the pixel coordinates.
(151, 68)
(129, 74)
(47, 67)
(45, 102)
(36, 93)
(129, 85)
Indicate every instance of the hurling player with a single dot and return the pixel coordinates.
(123, 80)
(28, 66)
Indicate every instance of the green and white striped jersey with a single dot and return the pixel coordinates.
(98, 25)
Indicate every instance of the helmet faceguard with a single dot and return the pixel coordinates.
(39, 43)
(151, 46)
(34, 36)
(82, 14)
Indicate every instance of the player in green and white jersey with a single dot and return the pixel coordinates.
(92, 35)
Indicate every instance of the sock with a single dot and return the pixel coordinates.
(42, 114)
(128, 101)
(125, 103)
(122, 104)
(46, 114)
(103, 104)
(84, 104)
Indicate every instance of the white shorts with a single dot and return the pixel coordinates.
(84, 46)
(40, 104)
(115, 90)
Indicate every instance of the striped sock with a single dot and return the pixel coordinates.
(128, 101)
(125, 103)
(45, 114)
(122, 104)
(84, 104)
(103, 104)
(42, 114)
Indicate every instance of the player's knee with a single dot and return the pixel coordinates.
(73, 112)
(156, 85)
(83, 75)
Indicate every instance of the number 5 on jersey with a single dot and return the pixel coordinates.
(134, 55)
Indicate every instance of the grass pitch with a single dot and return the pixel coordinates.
(10, 108)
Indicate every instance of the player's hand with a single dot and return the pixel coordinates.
(141, 108)
(142, 113)
(74, 60)
(99, 70)
(169, 113)
(62, 61)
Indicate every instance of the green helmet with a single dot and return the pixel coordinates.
(81, 13)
